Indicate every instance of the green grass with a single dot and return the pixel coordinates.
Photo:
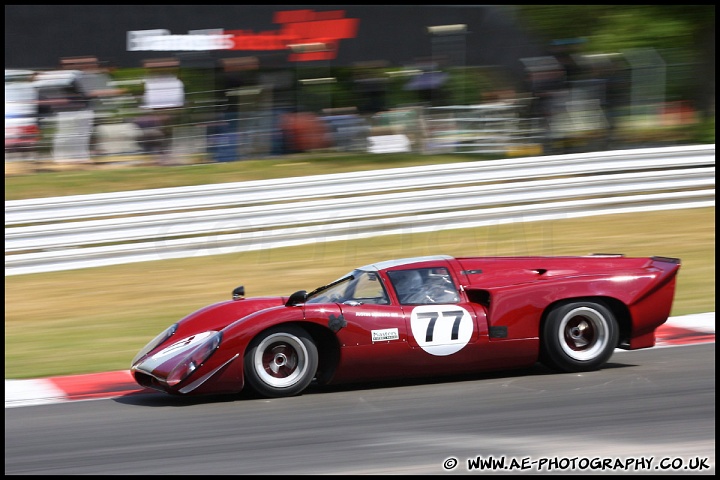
(96, 319)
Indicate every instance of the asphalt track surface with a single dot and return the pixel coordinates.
(646, 412)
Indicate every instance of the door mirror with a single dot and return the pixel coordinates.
(238, 293)
(296, 298)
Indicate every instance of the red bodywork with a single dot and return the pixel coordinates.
(498, 318)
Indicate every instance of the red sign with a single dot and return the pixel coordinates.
(309, 35)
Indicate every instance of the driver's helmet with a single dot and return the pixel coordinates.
(406, 282)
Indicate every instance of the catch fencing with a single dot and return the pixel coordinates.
(82, 231)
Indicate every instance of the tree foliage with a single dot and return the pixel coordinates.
(610, 28)
(684, 35)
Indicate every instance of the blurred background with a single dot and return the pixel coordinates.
(188, 84)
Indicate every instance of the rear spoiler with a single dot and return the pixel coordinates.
(655, 258)
(665, 259)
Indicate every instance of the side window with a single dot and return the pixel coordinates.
(424, 286)
(407, 284)
(369, 289)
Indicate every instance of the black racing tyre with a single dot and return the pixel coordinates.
(281, 361)
(578, 337)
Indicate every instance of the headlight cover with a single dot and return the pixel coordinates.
(167, 333)
(196, 358)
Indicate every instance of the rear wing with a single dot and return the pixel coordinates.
(666, 259)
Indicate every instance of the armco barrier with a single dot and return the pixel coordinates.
(64, 233)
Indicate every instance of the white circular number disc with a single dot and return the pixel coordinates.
(441, 329)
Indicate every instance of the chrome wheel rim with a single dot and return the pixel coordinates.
(280, 360)
(583, 333)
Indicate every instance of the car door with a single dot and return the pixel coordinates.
(370, 315)
(443, 328)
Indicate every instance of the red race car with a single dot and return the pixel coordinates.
(417, 317)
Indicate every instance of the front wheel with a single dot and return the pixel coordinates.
(578, 337)
(281, 361)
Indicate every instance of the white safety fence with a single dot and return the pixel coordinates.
(64, 233)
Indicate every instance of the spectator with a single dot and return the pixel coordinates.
(546, 83)
(617, 97)
(235, 79)
(163, 98)
(87, 85)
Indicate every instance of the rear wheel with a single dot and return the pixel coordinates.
(578, 337)
(281, 361)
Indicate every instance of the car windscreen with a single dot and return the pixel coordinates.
(359, 286)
